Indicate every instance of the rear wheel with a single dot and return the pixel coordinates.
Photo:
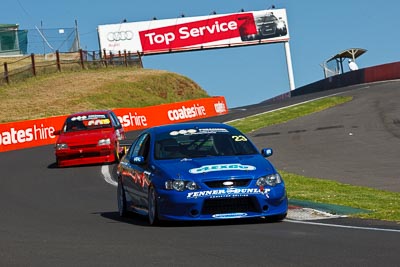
(121, 200)
(153, 210)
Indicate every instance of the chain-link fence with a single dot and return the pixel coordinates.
(38, 41)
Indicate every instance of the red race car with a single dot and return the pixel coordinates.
(89, 137)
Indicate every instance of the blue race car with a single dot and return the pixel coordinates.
(198, 171)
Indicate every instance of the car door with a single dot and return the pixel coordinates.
(138, 180)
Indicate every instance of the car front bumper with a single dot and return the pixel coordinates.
(85, 156)
(222, 204)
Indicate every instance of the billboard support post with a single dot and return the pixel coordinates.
(289, 66)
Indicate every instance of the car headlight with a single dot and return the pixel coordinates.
(104, 142)
(118, 134)
(280, 25)
(181, 185)
(270, 180)
(61, 146)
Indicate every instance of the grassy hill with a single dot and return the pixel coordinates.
(68, 92)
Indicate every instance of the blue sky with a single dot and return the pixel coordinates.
(246, 75)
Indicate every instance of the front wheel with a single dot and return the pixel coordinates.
(152, 200)
(123, 212)
(116, 153)
(277, 218)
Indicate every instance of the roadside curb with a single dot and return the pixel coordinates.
(307, 210)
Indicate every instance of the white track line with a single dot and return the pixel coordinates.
(344, 226)
(105, 170)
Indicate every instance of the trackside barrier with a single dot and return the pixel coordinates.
(385, 72)
(32, 133)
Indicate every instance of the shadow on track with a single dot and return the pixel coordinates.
(139, 220)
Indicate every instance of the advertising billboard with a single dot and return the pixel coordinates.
(195, 33)
(31, 133)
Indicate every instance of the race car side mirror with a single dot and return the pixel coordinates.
(267, 152)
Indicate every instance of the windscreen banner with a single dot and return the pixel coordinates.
(195, 33)
(26, 134)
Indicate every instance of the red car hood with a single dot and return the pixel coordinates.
(85, 137)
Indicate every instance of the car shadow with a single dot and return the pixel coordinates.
(139, 220)
(54, 165)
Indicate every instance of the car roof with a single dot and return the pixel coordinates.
(89, 112)
(187, 125)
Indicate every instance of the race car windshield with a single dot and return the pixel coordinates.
(87, 122)
(197, 144)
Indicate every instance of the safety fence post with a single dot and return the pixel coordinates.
(140, 59)
(33, 64)
(81, 58)
(125, 59)
(58, 60)
(6, 73)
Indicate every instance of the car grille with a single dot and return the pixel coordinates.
(236, 183)
(229, 205)
(84, 155)
(83, 146)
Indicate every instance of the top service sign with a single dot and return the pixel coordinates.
(195, 33)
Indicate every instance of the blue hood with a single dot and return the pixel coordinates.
(197, 169)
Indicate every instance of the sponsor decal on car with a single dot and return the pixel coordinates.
(229, 192)
(213, 130)
(183, 132)
(230, 215)
(198, 131)
(222, 167)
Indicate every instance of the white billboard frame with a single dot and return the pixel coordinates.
(195, 33)
(198, 33)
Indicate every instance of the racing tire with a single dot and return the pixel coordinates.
(116, 153)
(277, 218)
(122, 210)
(153, 209)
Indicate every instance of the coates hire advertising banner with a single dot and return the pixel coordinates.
(25, 134)
(194, 33)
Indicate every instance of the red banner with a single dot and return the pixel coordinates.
(198, 32)
(25, 134)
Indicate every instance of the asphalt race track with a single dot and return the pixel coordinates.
(356, 143)
(68, 217)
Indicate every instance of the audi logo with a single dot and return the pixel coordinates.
(119, 36)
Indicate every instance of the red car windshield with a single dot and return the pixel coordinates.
(87, 122)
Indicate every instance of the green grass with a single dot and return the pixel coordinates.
(382, 205)
(256, 122)
(108, 88)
